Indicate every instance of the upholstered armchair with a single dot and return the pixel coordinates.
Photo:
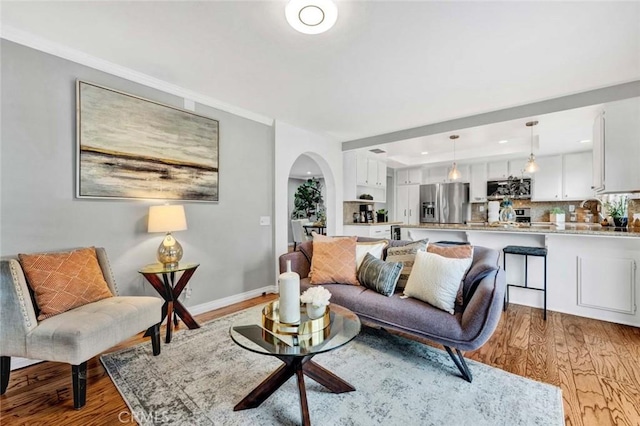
(74, 336)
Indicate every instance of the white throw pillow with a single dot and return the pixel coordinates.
(435, 279)
(375, 248)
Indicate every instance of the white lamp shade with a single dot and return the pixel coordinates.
(167, 219)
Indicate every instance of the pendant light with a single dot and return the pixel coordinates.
(454, 173)
(531, 166)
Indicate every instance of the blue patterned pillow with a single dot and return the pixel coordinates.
(379, 275)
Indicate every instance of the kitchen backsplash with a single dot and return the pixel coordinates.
(540, 210)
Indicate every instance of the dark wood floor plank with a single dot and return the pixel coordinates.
(541, 355)
(606, 361)
(623, 401)
(572, 411)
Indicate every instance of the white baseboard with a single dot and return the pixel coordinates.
(17, 362)
(226, 301)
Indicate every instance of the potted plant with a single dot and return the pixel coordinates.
(308, 200)
(617, 209)
(556, 215)
(381, 215)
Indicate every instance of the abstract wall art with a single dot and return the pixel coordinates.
(130, 147)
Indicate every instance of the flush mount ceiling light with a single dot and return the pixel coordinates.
(454, 173)
(531, 166)
(503, 142)
(311, 16)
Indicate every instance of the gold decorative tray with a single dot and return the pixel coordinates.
(271, 321)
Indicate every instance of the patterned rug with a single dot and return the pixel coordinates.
(202, 374)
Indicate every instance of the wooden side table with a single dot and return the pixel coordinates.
(170, 291)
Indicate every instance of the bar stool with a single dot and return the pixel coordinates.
(526, 252)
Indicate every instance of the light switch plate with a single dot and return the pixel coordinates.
(572, 208)
(265, 220)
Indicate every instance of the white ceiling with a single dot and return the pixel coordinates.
(305, 167)
(385, 66)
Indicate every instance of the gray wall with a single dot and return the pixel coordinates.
(39, 212)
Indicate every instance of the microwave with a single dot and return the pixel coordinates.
(516, 188)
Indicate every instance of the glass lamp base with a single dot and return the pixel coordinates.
(169, 252)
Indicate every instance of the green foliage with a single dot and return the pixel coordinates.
(617, 208)
(308, 200)
(556, 210)
(382, 211)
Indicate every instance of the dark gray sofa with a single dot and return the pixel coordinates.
(473, 322)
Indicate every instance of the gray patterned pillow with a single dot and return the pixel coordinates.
(406, 255)
(379, 275)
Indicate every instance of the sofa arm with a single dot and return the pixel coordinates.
(483, 311)
(299, 263)
(17, 314)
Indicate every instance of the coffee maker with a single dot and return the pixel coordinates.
(366, 210)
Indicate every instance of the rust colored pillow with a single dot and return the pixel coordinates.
(454, 252)
(334, 261)
(64, 280)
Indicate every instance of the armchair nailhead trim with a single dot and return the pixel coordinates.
(18, 288)
(113, 279)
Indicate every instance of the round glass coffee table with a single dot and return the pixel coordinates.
(296, 353)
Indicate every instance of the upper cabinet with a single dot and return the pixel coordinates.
(498, 169)
(616, 147)
(363, 174)
(563, 177)
(478, 183)
(547, 181)
(409, 176)
(577, 176)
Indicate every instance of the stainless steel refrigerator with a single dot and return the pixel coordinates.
(445, 203)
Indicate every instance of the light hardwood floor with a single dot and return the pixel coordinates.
(597, 365)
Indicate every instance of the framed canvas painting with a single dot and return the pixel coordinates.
(130, 147)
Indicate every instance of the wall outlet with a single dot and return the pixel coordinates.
(481, 208)
(265, 220)
(572, 208)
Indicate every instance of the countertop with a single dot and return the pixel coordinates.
(550, 228)
(372, 224)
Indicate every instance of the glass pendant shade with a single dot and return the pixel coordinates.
(531, 166)
(454, 173)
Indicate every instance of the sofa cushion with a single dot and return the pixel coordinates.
(378, 275)
(436, 279)
(334, 261)
(375, 248)
(343, 295)
(454, 252)
(64, 280)
(406, 254)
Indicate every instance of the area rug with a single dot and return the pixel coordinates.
(202, 374)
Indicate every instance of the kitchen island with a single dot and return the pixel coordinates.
(373, 230)
(591, 271)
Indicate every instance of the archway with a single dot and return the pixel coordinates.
(305, 177)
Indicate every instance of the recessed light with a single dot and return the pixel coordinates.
(308, 173)
(585, 141)
(503, 141)
(311, 16)
(424, 152)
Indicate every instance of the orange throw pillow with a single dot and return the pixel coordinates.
(64, 280)
(334, 261)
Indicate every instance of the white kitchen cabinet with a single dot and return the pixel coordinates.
(437, 174)
(409, 176)
(373, 231)
(547, 181)
(516, 167)
(408, 204)
(616, 152)
(619, 293)
(478, 183)
(577, 170)
(498, 169)
(363, 175)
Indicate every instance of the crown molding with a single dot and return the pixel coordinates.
(47, 46)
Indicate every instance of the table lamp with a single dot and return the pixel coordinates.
(168, 218)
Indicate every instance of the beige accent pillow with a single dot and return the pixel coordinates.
(63, 281)
(455, 252)
(375, 248)
(435, 279)
(406, 255)
(334, 261)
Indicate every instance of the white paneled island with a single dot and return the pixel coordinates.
(590, 273)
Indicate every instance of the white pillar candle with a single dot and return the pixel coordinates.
(289, 287)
